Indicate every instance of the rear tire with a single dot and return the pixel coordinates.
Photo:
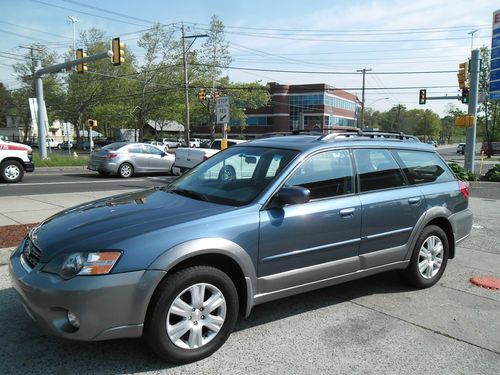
(11, 171)
(429, 258)
(227, 174)
(191, 314)
(125, 170)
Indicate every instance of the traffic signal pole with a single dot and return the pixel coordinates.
(470, 145)
(39, 72)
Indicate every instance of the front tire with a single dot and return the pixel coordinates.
(191, 315)
(227, 174)
(11, 171)
(429, 258)
(126, 170)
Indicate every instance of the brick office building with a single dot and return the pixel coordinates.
(299, 107)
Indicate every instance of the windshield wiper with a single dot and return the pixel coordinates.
(190, 194)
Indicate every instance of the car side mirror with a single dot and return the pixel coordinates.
(293, 195)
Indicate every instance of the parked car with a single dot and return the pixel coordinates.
(433, 143)
(15, 159)
(50, 142)
(66, 145)
(495, 148)
(194, 142)
(171, 142)
(84, 145)
(160, 145)
(124, 159)
(178, 264)
(461, 148)
(187, 158)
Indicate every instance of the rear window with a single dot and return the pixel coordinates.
(114, 146)
(423, 167)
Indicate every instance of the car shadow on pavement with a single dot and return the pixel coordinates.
(28, 349)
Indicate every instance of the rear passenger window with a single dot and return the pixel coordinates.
(377, 170)
(423, 167)
(327, 174)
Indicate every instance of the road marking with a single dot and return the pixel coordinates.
(71, 182)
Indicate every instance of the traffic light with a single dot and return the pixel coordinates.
(463, 75)
(422, 97)
(92, 123)
(216, 94)
(465, 96)
(81, 68)
(202, 95)
(118, 50)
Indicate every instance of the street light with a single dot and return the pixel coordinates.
(471, 33)
(73, 20)
(377, 100)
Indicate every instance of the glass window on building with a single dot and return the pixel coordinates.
(258, 120)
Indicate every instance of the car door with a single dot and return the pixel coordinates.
(157, 160)
(316, 240)
(138, 157)
(390, 207)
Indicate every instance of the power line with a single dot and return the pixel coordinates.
(108, 11)
(87, 13)
(32, 29)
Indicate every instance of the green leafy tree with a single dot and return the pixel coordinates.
(5, 104)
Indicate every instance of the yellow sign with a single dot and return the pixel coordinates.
(223, 144)
(464, 121)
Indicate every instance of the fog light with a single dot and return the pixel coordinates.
(73, 320)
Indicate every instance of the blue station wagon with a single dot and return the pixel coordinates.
(177, 264)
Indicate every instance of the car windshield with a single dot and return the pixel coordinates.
(235, 176)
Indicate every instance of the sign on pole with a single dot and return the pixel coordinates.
(222, 110)
(495, 58)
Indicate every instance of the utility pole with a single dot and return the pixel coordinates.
(470, 145)
(364, 70)
(471, 33)
(186, 88)
(397, 118)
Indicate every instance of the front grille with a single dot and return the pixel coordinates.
(31, 254)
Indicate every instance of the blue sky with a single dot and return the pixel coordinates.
(316, 36)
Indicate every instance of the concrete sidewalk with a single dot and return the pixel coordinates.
(28, 209)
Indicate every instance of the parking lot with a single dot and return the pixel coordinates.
(374, 325)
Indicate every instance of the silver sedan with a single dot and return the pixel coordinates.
(125, 159)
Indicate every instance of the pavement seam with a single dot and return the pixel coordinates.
(470, 293)
(420, 326)
(37, 200)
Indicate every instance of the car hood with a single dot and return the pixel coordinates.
(101, 224)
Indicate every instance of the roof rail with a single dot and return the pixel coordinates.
(370, 134)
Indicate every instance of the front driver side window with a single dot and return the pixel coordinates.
(327, 174)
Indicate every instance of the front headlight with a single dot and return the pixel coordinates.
(84, 263)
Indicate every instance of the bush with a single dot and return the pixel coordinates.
(461, 173)
(493, 174)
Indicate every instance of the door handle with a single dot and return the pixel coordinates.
(347, 212)
(415, 200)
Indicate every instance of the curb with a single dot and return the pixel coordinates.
(61, 169)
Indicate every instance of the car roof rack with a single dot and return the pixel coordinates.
(372, 134)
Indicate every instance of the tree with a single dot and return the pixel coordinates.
(428, 124)
(5, 104)
(214, 57)
(158, 73)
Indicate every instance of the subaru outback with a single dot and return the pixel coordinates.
(177, 264)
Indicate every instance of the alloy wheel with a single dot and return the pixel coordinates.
(196, 316)
(430, 257)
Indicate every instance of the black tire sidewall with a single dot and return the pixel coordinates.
(413, 273)
(4, 166)
(222, 174)
(167, 291)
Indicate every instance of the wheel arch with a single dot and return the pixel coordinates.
(14, 158)
(445, 225)
(218, 253)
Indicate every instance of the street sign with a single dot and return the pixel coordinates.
(222, 110)
(495, 58)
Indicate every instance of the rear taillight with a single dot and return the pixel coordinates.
(112, 155)
(463, 189)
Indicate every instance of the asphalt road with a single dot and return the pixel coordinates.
(77, 181)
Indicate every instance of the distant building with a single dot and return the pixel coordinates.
(161, 128)
(299, 107)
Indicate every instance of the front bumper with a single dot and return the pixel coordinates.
(108, 306)
(29, 166)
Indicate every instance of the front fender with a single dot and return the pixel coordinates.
(203, 246)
